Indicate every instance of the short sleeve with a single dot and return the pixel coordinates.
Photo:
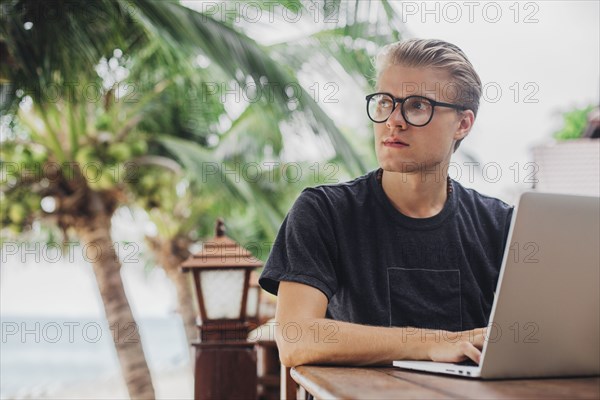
(305, 249)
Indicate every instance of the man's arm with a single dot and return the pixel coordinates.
(305, 336)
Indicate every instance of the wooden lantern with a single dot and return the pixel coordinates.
(225, 365)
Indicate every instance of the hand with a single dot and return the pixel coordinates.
(458, 346)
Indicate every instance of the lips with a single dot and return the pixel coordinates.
(395, 143)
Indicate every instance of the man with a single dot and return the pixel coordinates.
(400, 263)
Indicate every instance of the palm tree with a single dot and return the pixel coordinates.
(62, 102)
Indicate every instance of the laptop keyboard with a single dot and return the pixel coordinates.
(468, 362)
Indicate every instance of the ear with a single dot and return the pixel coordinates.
(465, 120)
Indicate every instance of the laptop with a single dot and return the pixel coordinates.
(545, 320)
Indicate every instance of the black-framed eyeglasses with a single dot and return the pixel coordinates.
(416, 110)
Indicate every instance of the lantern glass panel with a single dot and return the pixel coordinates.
(222, 291)
(252, 302)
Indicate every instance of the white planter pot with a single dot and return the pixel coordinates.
(571, 167)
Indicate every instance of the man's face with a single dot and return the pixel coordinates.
(428, 146)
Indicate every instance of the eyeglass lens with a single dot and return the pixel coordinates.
(415, 109)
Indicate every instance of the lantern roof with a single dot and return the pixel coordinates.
(221, 252)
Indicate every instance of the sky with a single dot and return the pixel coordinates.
(532, 70)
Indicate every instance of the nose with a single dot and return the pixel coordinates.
(396, 119)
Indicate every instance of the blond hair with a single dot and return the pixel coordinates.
(439, 54)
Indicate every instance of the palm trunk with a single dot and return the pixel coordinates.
(95, 233)
(185, 301)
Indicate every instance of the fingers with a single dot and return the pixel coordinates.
(471, 351)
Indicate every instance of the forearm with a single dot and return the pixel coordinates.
(326, 341)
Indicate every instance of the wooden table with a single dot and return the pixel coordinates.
(394, 383)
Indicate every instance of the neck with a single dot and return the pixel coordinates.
(416, 195)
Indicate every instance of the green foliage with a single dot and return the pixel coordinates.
(56, 49)
(19, 163)
(174, 108)
(18, 209)
(575, 122)
(154, 187)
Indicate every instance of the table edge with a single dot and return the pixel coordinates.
(317, 391)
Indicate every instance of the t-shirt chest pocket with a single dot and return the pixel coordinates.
(425, 298)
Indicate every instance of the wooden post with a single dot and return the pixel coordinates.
(225, 371)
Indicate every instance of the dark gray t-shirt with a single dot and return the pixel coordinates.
(379, 267)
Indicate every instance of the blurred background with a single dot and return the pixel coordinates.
(128, 127)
